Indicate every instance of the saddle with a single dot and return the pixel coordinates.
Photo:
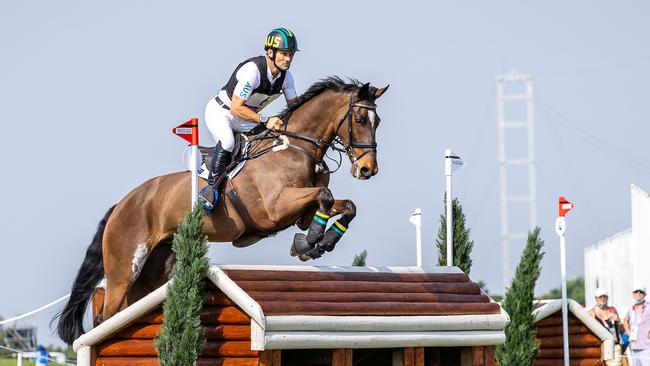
(224, 186)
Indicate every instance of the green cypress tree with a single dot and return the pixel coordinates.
(181, 337)
(360, 259)
(520, 348)
(462, 244)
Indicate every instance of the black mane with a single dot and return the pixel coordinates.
(333, 83)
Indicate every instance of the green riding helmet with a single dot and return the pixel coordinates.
(281, 39)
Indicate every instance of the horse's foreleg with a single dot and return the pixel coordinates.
(294, 201)
(348, 211)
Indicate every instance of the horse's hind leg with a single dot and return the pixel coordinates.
(348, 211)
(125, 253)
(155, 272)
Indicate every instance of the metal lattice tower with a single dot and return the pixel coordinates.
(516, 154)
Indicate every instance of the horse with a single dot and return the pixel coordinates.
(276, 190)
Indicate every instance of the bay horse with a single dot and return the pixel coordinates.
(132, 246)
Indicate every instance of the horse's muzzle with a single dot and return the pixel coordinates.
(363, 172)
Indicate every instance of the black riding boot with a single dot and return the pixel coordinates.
(217, 165)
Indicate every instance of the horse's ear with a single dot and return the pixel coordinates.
(364, 92)
(379, 92)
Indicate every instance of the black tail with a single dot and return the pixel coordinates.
(90, 273)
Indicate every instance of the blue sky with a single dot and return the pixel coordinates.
(89, 91)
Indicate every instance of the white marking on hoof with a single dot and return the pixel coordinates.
(139, 257)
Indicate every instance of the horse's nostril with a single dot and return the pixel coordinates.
(365, 171)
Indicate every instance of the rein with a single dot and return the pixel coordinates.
(336, 144)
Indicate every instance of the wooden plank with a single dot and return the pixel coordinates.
(418, 358)
(150, 361)
(361, 286)
(373, 308)
(398, 356)
(270, 275)
(478, 355)
(490, 356)
(146, 348)
(580, 352)
(576, 340)
(271, 358)
(409, 356)
(342, 357)
(466, 356)
(366, 297)
(555, 330)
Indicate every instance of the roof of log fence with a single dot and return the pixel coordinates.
(298, 307)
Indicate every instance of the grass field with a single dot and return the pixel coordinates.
(13, 362)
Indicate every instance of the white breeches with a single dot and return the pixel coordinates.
(221, 123)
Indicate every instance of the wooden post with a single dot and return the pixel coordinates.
(341, 357)
(271, 358)
(408, 356)
(466, 356)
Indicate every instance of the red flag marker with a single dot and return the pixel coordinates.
(564, 206)
(188, 131)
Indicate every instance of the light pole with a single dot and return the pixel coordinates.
(416, 219)
(452, 163)
(560, 227)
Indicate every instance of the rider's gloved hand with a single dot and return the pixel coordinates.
(274, 123)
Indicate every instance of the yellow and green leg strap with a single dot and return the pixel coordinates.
(317, 227)
(334, 234)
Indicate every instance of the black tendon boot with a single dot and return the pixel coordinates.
(331, 237)
(217, 165)
(303, 243)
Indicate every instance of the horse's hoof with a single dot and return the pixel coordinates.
(299, 245)
(304, 257)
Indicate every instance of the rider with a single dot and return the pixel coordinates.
(254, 84)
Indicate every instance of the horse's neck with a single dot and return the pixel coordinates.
(318, 118)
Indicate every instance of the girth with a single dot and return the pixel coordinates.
(251, 227)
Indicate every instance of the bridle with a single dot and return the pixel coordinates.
(370, 146)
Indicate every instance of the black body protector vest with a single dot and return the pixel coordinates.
(265, 93)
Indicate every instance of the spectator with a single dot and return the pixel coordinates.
(41, 357)
(637, 326)
(609, 318)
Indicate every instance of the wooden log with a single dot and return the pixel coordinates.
(573, 362)
(211, 332)
(222, 315)
(366, 297)
(342, 357)
(557, 320)
(360, 286)
(374, 308)
(146, 348)
(555, 330)
(271, 358)
(270, 275)
(151, 361)
(576, 340)
(579, 352)
(217, 299)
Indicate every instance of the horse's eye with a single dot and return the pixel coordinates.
(360, 119)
